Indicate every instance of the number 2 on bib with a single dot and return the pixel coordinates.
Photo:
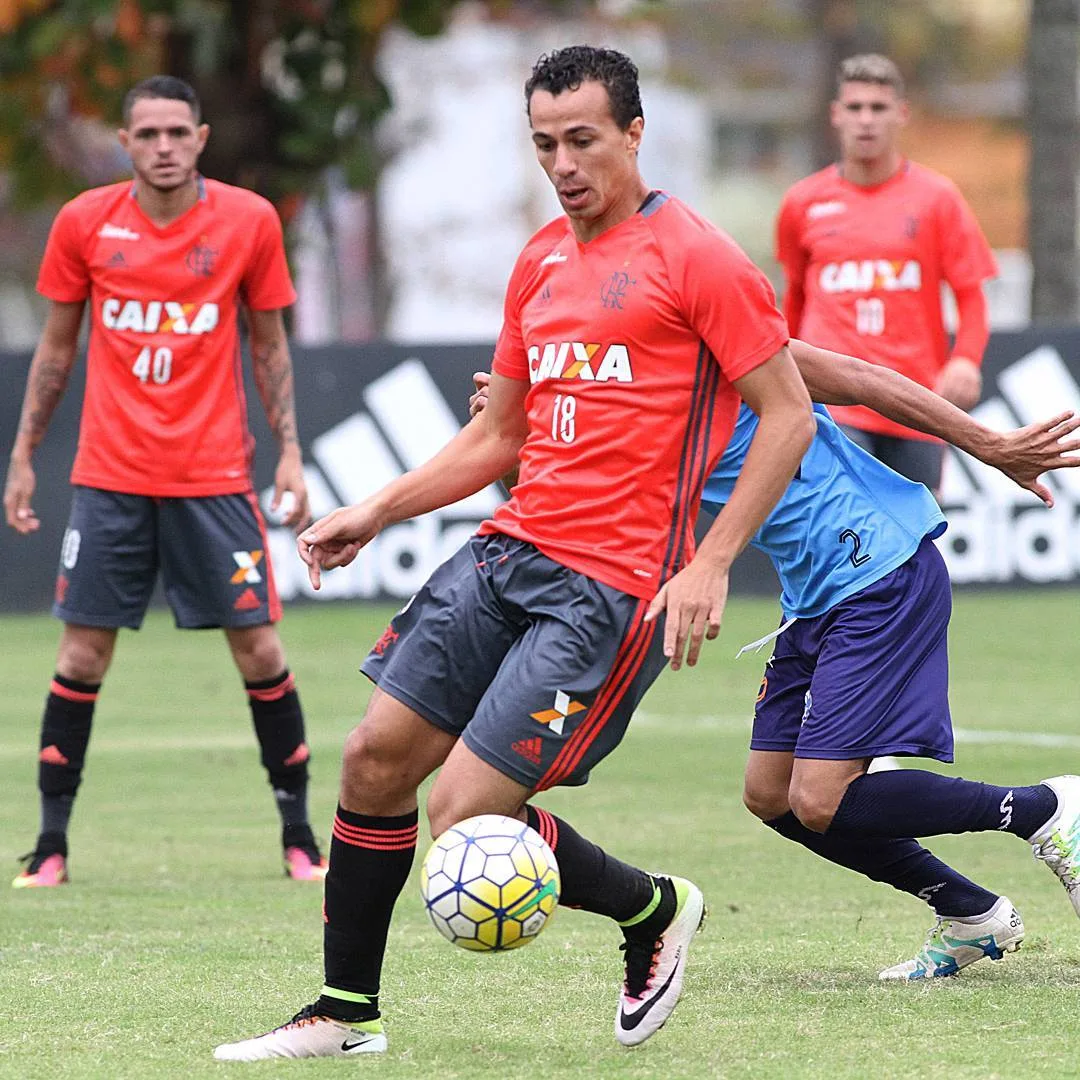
(154, 364)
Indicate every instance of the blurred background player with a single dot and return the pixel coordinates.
(865, 245)
(586, 580)
(161, 477)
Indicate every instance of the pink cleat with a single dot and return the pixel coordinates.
(305, 864)
(42, 872)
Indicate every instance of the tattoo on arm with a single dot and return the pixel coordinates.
(45, 387)
(274, 380)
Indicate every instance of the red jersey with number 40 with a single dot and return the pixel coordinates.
(164, 411)
(871, 261)
(631, 343)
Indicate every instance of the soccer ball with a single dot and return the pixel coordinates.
(490, 883)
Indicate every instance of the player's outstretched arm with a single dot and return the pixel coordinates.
(272, 367)
(694, 598)
(1022, 455)
(483, 451)
(50, 370)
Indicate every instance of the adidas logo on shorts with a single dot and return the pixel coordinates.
(529, 749)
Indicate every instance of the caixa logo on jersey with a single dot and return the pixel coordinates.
(586, 362)
(404, 422)
(158, 316)
(999, 534)
(871, 275)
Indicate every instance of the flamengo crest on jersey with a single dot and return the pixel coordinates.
(158, 316)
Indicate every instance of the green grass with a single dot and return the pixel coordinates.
(179, 931)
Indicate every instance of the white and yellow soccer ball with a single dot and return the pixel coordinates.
(490, 883)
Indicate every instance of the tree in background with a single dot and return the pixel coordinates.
(1052, 60)
(288, 86)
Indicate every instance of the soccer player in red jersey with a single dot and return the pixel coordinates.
(865, 245)
(162, 473)
(632, 329)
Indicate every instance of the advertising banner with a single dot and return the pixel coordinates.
(369, 413)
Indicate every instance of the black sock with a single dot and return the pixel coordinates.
(370, 859)
(911, 802)
(902, 863)
(65, 735)
(279, 727)
(591, 878)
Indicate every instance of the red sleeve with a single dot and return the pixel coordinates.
(730, 303)
(510, 359)
(266, 284)
(64, 275)
(972, 323)
(791, 255)
(966, 257)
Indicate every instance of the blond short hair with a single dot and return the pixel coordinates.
(870, 68)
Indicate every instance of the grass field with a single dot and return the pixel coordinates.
(179, 931)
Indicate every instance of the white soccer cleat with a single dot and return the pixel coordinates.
(654, 970)
(953, 944)
(1057, 843)
(306, 1035)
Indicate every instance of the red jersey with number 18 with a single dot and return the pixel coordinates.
(164, 411)
(631, 342)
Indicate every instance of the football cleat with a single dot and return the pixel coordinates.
(655, 969)
(953, 944)
(1057, 843)
(43, 870)
(303, 860)
(308, 1035)
(305, 864)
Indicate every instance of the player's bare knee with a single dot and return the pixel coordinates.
(85, 653)
(374, 774)
(257, 652)
(815, 809)
(767, 804)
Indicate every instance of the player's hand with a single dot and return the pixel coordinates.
(18, 491)
(960, 383)
(1025, 454)
(479, 399)
(290, 499)
(693, 601)
(335, 540)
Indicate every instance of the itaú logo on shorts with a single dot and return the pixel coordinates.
(871, 275)
(158, 316)
(575, 360)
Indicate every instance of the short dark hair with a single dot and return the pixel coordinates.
(567, 69)
(161, 86)
(870, 68)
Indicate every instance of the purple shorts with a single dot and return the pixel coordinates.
(869, 677)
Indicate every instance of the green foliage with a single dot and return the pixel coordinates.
(295, 96)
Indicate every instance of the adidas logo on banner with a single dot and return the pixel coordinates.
(405, 421)
(997, 532)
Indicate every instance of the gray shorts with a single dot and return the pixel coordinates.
(210, 550)
(916, 459)
(538, 667)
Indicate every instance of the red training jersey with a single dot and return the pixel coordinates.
(631, 343)
(870, 262)
(164, 411)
